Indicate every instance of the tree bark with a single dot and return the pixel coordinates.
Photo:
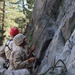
(3, 18)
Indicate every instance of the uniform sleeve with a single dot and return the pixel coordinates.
(18, 63)
(2, 51)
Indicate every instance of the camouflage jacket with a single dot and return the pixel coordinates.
(6, 49)
(18, 58)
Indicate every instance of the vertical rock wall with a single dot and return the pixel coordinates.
(51, 26)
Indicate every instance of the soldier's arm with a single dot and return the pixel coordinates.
(18, 63)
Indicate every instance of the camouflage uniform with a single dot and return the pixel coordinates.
(6, 49)
(18, 58)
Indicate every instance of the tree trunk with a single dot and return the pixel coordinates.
(3, 18)
(23, 6)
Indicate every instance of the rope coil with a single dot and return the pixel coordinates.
(55, 66)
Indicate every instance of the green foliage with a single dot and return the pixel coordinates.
(28, 13)
(72, 29)
(14, 15)
(30, 40)
(1, 0)
(29, 7)
(30, 3)
(21, 22)
(12, 1)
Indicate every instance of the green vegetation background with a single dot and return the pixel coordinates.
(17, 13)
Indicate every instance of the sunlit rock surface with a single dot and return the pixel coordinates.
(53, 23)
(51, 28)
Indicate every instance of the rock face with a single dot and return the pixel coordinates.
(52, 28)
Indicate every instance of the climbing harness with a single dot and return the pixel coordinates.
(63, 71)
(6, 64)
(7, 45)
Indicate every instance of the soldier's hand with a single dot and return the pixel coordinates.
(33, 48)
(31, 59)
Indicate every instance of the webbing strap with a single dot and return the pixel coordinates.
(7, 45)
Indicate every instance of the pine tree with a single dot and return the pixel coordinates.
(2, 24)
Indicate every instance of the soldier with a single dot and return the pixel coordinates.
(18, 58)
(6, 49)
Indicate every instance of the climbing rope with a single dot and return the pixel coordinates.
(31, 21)
(55, 66)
